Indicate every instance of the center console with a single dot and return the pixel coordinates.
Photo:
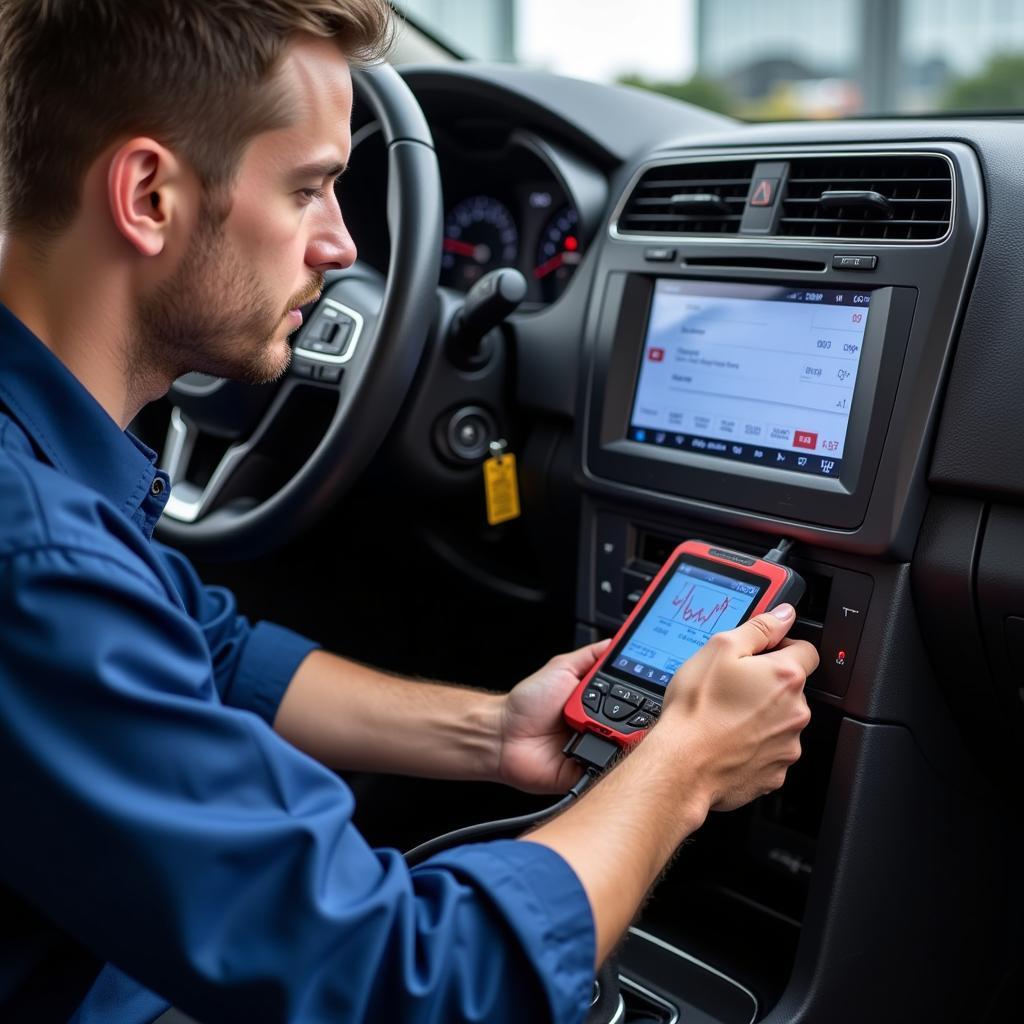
(765, 352)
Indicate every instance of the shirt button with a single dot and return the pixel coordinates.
(156, 488)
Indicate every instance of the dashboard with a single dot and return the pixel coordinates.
(740, 332)
(736, 333)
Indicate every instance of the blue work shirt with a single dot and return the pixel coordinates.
(155, 822)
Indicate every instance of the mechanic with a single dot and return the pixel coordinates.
(174, 821)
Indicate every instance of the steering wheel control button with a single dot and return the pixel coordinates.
(659, 254)
(329, 373)
(331, 335)
(641, 720)
(617, 710)
(592, 699)
(842, 261)
(303, 368)
(622, 693)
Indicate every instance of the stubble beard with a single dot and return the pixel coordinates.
(211, 317)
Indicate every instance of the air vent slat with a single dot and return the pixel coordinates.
(918, 188)
(696, 184)
(881, 222)
(650, 211)
(740, 201)
(678, 218)
(896, 202)
(903, 181)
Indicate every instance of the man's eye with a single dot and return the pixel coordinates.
(309, 194)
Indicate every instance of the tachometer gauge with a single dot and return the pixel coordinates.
(479, 235)
(558, 253)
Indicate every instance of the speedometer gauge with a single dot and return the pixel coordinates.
(479, 235)
(558, 253)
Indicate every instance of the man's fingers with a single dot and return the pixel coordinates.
(804, 653)
(581, 661)
(765, 631)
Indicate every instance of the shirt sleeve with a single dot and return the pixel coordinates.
(252, 665)
(188, 844)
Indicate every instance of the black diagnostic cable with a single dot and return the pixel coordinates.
(488, 830)
(780, 553)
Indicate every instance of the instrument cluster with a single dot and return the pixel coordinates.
(508, 212)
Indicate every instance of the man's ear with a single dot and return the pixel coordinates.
(146, 191)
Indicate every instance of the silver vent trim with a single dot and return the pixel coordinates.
(775, 240)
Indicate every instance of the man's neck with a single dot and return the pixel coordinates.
(75, 316)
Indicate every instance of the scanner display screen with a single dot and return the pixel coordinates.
(693, 602)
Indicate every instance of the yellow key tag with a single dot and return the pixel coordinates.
(501, 485)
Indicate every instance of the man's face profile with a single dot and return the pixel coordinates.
(259, 249)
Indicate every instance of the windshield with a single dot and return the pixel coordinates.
(759, 61)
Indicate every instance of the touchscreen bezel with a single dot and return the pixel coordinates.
(838, 501)
(714, 567)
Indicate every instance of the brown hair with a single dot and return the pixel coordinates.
(197, 75)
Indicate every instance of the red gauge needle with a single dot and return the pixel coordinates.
(565, 257)
(480, 253)
(459, 248)
(549, 265)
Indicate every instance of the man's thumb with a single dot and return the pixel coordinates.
(764, 631)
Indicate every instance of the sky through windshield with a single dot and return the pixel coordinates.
(789, 59)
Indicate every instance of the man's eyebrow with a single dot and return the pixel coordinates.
(319, 169)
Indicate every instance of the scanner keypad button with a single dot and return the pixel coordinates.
(627, 695)
(592, 698)
(617, 710)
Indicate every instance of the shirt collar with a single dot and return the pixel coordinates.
(70, 428)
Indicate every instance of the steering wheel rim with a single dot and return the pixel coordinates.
(391, 346)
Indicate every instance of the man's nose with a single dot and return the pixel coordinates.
(331, 247)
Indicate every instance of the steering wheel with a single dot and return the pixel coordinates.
(362, 342)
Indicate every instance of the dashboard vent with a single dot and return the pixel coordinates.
(691, 198)
(907, 198)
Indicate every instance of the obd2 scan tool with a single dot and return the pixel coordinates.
(701, 590)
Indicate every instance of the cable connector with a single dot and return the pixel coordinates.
(780, 553)
(590, 750)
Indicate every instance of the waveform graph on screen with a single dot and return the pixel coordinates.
(700, 607)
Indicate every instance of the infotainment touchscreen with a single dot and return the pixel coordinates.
(758, 373)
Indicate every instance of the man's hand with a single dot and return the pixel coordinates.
(729, 730)
(742, 710)
(532, 730)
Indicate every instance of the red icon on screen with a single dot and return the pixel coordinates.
(656, 355)
(802, 439)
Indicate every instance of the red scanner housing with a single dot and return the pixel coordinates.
(601, 703)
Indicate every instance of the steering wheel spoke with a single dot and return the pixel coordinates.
(189, 501)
